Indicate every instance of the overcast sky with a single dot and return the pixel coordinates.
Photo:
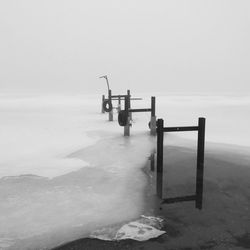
(184, 46)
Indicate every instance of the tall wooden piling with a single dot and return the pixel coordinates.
(200, 162)
(159, 175)
(127, 126)
(153, 117)
(110, 112)
(129, 104)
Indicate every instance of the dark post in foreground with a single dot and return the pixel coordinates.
(200, 162)
(159, 176)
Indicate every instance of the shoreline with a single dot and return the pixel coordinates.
(224, 221)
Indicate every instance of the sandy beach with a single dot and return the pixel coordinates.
(224, 221)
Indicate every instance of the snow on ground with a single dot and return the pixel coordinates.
(66, 171)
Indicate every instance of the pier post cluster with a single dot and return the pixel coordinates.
(197, 197)
(157, 128)
(125, 115)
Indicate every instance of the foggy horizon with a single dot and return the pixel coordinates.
(179, 46)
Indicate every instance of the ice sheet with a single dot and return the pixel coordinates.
(143, 229)
(67, 171)
(38, 132)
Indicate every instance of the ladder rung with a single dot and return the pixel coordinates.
(179, 199)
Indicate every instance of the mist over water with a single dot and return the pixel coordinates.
(226, 116)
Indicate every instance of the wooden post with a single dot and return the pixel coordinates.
(159, 176)
(111, 112)
(129, 104)
(153, 117)
(200, 162)
(127, 126)
(119, 104)
(103, 98)
(152, 162)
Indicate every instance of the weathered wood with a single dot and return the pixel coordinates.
(153, 125)
(179, 199)
(159, 175)
(139, 110)
(129, 105)
(127, 126)
(153, 117)
(117, 96)
(152, 105)
(200, 162)
(111, 112)
(123, 98)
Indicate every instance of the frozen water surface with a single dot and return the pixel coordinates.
(66, 171)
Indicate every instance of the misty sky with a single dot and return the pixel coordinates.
(182, 46)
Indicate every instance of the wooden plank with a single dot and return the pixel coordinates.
(139, 110)
(123, 98)
(118, 96)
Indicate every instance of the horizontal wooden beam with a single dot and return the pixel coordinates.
(179, 199)
(135, 98)
(117, 96)
(180, 129)
(139, 110)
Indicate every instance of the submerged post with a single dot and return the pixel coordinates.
(127, 126)
(111, 111)
(200, 162)
(152, 161)
(103, 98)
(153, 117)
(159, 176)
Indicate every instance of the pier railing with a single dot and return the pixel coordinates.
(197, 197)
(107, 103)
(125, 116)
